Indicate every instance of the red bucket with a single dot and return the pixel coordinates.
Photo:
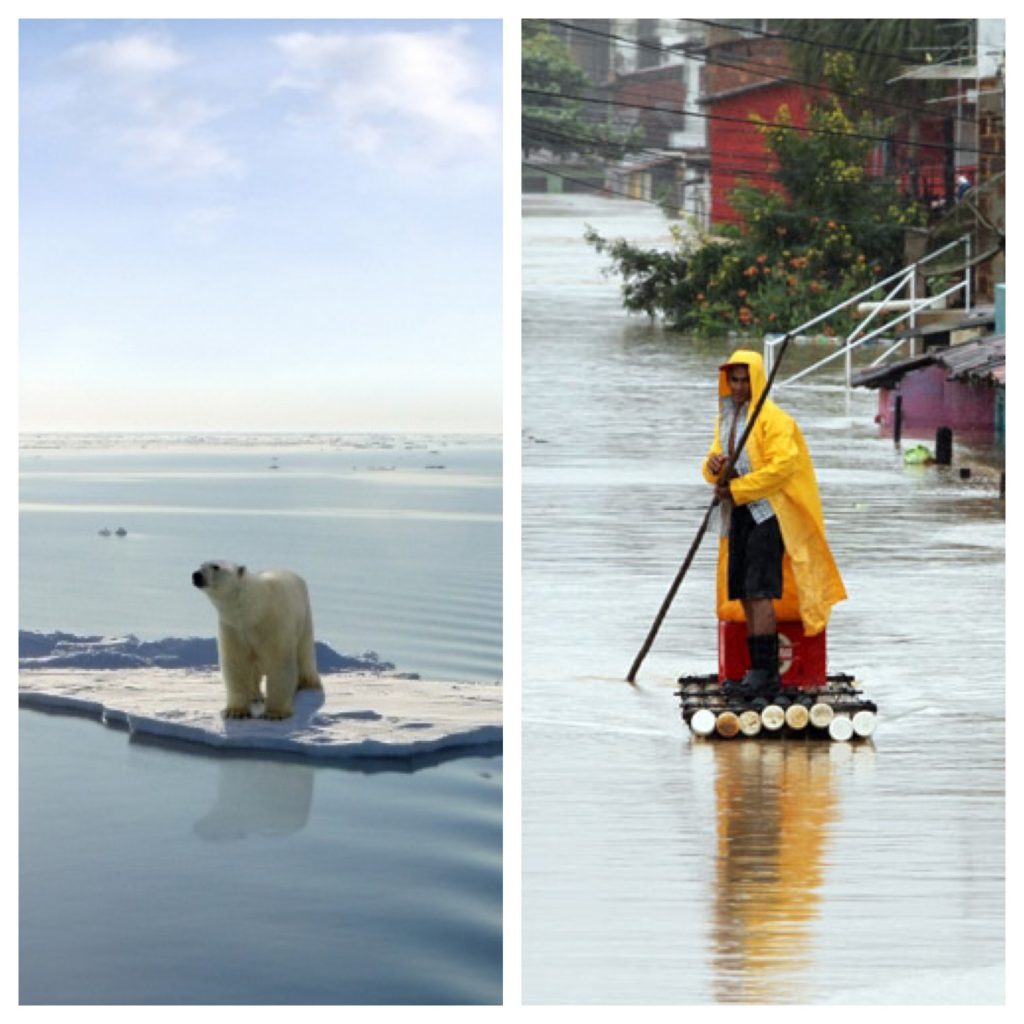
(802, 659)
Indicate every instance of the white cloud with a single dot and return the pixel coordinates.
(399, 91)
(131, 55)
(171, 137)
(133, 96)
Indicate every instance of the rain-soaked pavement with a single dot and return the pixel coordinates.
(660, 869)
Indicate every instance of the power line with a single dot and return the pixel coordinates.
(805, 40)
(533, 126)
(755, 65)
(746, 121)
(752, 167)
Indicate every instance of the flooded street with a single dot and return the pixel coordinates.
(659, 869)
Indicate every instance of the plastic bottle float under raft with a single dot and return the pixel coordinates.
(836, 710)
(810, 703)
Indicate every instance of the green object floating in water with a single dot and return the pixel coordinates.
(917, 456)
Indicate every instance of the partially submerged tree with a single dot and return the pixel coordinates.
(825, 235)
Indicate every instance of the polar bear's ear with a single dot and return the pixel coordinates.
(241, 571)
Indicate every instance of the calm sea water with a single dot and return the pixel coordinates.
(660, 870)
(399, 539)
(154, 874)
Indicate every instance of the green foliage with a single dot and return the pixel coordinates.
(547, 63)
(556, 122)
(823, 236)
(884, 48)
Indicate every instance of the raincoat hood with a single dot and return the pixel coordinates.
(755, 365)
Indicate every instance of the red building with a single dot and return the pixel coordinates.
(752, 76)
(745, 76)
(739, 154)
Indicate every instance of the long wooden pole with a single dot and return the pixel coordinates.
(725, 474)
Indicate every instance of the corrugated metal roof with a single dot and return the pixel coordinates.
(889, 375)
(983, 359)
(978, 359)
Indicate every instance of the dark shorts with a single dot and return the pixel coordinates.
(755, 556)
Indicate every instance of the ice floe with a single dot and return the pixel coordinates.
(359, 714)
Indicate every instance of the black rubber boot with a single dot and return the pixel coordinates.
(734, 689)
(762, 679)
(749, 686)
(771, 653)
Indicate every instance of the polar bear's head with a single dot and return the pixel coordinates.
(218, 579)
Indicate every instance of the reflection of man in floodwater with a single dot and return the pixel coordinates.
(775, 808)
(773, 546)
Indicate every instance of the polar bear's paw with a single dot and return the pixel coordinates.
(237, 713)
(275, 714)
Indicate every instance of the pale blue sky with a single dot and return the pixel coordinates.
(232, 225)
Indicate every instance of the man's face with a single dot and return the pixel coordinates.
(738, 378)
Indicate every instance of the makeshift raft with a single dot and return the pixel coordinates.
(836, 711)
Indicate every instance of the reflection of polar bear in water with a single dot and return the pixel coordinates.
(265, 629)
(258, 798)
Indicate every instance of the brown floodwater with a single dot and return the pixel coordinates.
(661, 869)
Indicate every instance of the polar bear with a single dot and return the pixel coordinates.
(265, 628)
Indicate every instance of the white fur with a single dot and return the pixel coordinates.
(265, 629)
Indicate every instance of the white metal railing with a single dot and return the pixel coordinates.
(857, 337)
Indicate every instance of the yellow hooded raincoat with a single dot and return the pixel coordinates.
(782, 472)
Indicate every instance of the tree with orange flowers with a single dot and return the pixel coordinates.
(825, 236)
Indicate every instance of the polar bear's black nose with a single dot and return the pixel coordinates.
(197, 579)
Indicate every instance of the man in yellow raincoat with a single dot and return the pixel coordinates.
(774, 561)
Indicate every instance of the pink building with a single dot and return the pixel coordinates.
(957, 386)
